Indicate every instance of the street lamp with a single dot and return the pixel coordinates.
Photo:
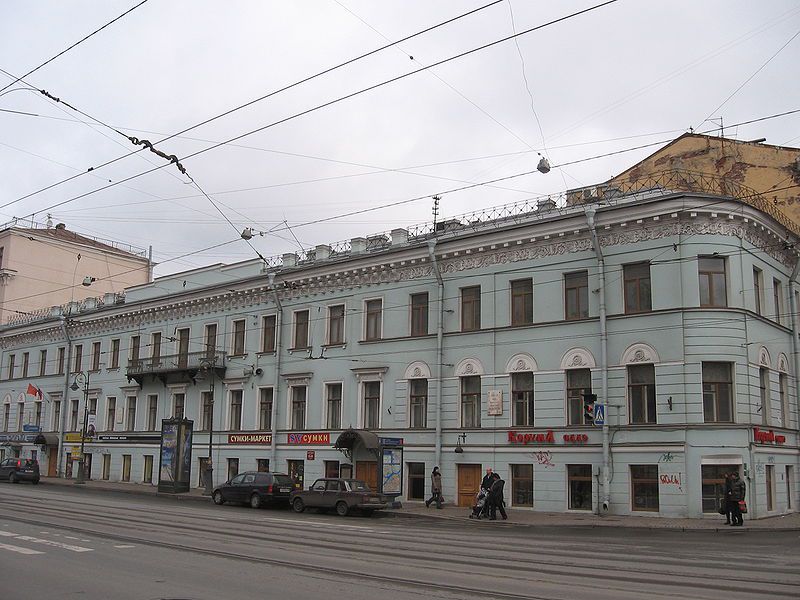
(75, 387)
(208, 363)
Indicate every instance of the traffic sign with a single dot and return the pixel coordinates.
(599, 414)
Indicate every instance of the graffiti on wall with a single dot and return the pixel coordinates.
(544, 458)
(671, 479)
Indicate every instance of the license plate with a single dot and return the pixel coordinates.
(285, 489)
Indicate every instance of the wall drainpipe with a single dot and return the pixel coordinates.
(603, 399)
(276, 387)
(62, 424)
(795, 356)
(439, 351)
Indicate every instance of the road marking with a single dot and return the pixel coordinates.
(19, 549)
(124, 546)
(28, 538)
(71, 537)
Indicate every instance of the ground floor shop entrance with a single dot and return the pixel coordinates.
(469, 482)
(367, 471)
(52, 462)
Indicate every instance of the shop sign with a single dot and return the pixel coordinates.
(495, 403)
(18, 437)
(121, 438)
(515, 437)
(575, 438)
(391, 441)
(311, 454)
(33, 428)
(250, 438)
(308, 438)
(76, 437)
(765, 437)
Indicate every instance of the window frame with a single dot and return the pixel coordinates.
(731, 393)
(575, 395)
(333, 419)
(235, 409)
(777, 299)
(130, 413)
(366, 420)
(418, 326)
(238, 337)
(470, 397)
(152, 412)
(306, 337)
(417, 400)
(522, 298)
(332, 319)
(636, 305)
(293, 425)
(373, 319)
(265, 416)
(269, 333)
(708, 275)
(526, 399)
(648, 391)
(649, 480)
(470, 305)
(576, 282)
(115, 343)
(758, 283)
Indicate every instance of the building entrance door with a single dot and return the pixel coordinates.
(469, 482)
(367, 471)
(297, 473)
(52, 462)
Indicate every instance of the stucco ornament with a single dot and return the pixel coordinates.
(418, 370)
(469, 366)
(639, 353)
(519, 363)
(764, 358)
(783, 363)
(578, 358)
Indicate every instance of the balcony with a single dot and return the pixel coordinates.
(176, 368)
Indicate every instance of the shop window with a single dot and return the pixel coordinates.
(416, 481)
(331, 468)
(147, 476)
(233, 468)
(644, 487)
(296, 470)
(106, 467)
(580, 487)
(713, 485)
(770, 480)
(126, 467)
(262, 465)
(522, 485)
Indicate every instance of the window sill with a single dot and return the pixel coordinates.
(265, 353)
(230, 356)
(337, 345)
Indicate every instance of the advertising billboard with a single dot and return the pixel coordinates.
(175, 463)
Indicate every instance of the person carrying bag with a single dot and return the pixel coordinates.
(436, 489)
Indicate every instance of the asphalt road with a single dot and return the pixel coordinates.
(58, 542)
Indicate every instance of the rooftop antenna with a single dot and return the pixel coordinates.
(435, 211)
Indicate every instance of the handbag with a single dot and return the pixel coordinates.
(723, 509)
(742, 506)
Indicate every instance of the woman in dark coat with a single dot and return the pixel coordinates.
(436, 489)
(496, 500)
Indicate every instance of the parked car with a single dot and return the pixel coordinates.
(20, 469)
(256, 489)
(343, 495)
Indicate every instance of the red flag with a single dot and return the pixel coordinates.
(34, 391)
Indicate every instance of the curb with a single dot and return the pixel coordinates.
(125, 490)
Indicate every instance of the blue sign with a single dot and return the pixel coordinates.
(34, 428)
(599, 414)
(391, 441)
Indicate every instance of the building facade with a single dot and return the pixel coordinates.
(470, 343)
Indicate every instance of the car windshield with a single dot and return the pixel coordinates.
(354, 485)
(282, 480)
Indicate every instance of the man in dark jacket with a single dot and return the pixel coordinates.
(496, 501)
(726, 499)
(488, 480)
(737, 493)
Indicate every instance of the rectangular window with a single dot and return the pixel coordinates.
(300, 329)
(268, 324)
(471, 401)
(61, 360)
(777, 297)
(637, 287)
(332, 468)
(576, 295)
(418, 403)
(522, 302)
(26, 363)
(131, 416)
(717, 392)
(579, 382)
(580, 487)
(265, 409)
(374, 318)
(73, 415)
(147, 475)
(77, 365)
(111, 412)
(644, 487)
(419, 314)
(152, 412)
(783, 380)
(183, 336)
(522, 399)
(713, 485)
(372, 404)
(416, 480)
(763, 385)
(42, 363)
(333, 400)
(642, 393)
(136, 342)
(155, 348)
(114, 354)
(11, 360)
(522, 485)
(106, 467)
(207, 404)
(770, 481)
(56, 415)
(757, 278)
(235, 423)
(237, 343)
(471, 308)
(233, 468)
(92, 406)
(95, 356)
(126, 467)
(179, 405)
(298, 414)
(336, 325)
(713, 285)
(262, 465)
(6, 416)
(37, 418)
(20, 415)
(210, 340)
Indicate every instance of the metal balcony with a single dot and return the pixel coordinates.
(176, 368)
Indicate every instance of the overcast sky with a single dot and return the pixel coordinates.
(624, 75)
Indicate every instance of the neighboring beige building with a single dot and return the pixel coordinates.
(44, 266)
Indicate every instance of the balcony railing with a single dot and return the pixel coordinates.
(188, 363)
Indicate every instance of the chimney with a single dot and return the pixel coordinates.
(289, 259)
(61, 227)
(358, 245)
(109, 298)
(323, 252)
(399, 237)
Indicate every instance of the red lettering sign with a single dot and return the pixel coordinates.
(515, 437)
(576, 438)
(249, 438)
(308, 438)
(765, 437)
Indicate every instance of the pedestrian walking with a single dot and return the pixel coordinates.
(488, 480)
(738, 490)
(436, 489)
(726, 499)
(496, 500)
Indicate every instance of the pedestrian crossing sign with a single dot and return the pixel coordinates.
(599, 414)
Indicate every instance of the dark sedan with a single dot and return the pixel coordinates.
(343, 495)
(256, 489)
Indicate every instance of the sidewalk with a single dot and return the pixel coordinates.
(516, 517)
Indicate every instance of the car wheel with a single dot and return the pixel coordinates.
(13, 478)
(298, 505)
(342, 509)
(218, 498)
(255, 501)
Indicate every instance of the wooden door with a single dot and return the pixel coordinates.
(367, 471)
(469, 482)
(52, 462)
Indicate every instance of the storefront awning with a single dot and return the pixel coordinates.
(46, 439)
(352, 438)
